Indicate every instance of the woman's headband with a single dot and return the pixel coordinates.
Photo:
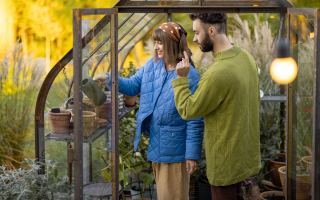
(172, 30)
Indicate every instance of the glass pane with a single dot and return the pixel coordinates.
(302, 51)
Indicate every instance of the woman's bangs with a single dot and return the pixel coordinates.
(157, 35)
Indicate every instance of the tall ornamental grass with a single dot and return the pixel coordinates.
(20, 80)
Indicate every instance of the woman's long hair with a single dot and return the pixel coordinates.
(173, 51)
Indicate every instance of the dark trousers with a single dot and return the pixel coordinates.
(230, 192)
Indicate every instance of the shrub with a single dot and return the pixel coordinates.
(28, 184)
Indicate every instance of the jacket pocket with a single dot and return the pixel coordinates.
(172, 140)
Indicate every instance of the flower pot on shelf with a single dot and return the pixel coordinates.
(60, 122)
(303, 184)
(102, 123)
(96, 123)
(204, 189)
(129, 100)
(104, 111)
(87, 105)
(88, 120)
(274, 166)
(263, 195)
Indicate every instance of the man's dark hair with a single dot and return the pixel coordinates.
(218, 20)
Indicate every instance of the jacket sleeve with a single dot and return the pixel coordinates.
(128, 86)
(195, 131)
(205, 99)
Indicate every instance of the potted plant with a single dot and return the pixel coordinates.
(145, 189)
(272, 195)
(88, 118)
(59, 121)
(127, 73)
(250, 188)
(201, 181)
(303, 181)
(104, 111)
(275, 164)
(307, 160)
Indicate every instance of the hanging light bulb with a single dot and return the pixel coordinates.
(283, 69)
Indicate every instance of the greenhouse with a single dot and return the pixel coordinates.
(90, 128)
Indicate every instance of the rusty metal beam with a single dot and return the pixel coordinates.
(282, 88)
(46, 85)
(291, 140)
(77, 99)
(97, 11)
(208, 9)
(226, 3)
(302, 11)
(115, 107)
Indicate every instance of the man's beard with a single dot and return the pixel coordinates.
(207, 44)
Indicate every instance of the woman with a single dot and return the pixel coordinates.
(175, 144)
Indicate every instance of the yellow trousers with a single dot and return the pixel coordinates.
(172, 180)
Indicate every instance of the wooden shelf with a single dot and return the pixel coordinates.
(96, 133)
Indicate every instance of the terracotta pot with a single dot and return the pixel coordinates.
(59, 122)
(306, 161)
(303, 184)
(130, 101)
(274, 166)
(96, 123)
(103, 123)
(87, 105)
(276, 193)
(88, 120)
(70, 106)
(104, 111)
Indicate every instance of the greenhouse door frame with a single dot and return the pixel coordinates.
(77, 70)
(291, 141)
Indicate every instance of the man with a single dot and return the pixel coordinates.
(228, 98)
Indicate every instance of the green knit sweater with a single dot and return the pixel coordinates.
(228, 97)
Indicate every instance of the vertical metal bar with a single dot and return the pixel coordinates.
(316, 113)
(115, 106)
(77, 98)
(169, 17)
(39, 142)
(282, 87)
(90, 162)
(291, 127)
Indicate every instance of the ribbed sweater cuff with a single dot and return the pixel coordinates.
(180, 81)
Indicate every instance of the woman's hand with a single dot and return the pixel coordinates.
(191, 165)
(101, 79)
(183, 66)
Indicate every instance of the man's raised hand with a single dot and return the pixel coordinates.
(183, 66)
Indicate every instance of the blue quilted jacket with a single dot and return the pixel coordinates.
(178, 139)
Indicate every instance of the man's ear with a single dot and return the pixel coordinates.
(212, 30)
